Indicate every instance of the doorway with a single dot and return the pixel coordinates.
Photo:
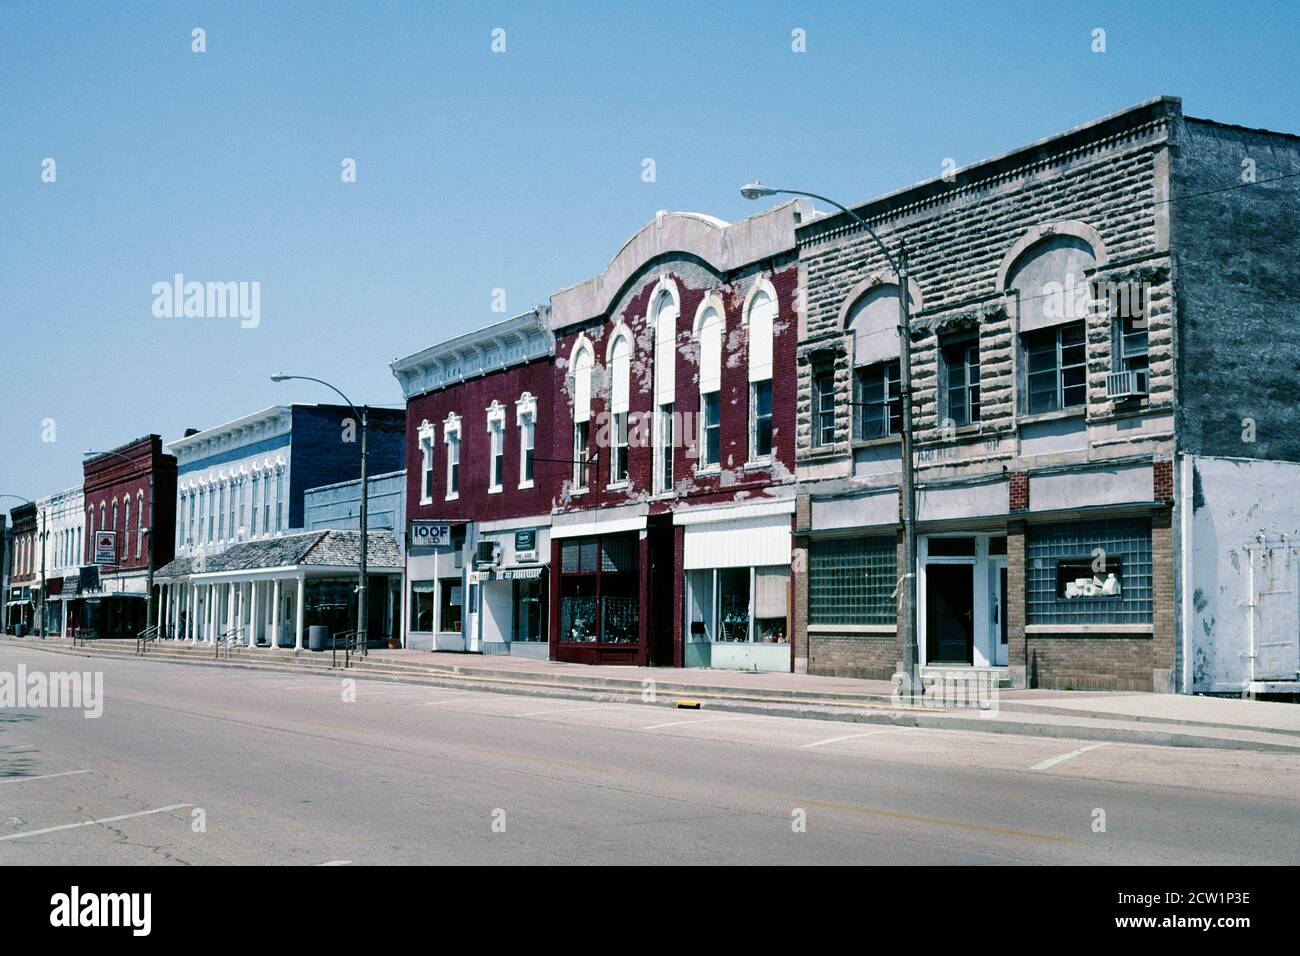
(950, 614)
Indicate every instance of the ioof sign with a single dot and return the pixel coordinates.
(430, 534)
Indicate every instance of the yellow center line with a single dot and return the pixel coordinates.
(936, 821)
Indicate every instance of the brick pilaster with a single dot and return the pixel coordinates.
(1017, 662)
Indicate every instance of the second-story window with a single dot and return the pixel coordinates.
(581, 369)
(253, 503)
(426, 463)
(620, 372)
(526, 417)
(760, 318)
(497, 452)
(1057, 369)
(279, 499)
(139, 523)
(266, 503)
(960, 385)
(823, 406)
(879, 403)
(451, 437)
(708, 332)
(664, 313)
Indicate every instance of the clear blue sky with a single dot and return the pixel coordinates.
(477, 170)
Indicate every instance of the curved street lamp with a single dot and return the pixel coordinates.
(148, 596)
(362, 631)
(897, 265)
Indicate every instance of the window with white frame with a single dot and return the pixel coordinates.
(279, 499)
(526, 417)
(426, 462)
(126, 526)
(451, 436)
(738, 604)
(708, 333)
(496, 423)
(253, 505)
(619, 359)
(664, 313)
(760, 319)
(581, 365)
(823, 405)
(266, 503)
(139, 523)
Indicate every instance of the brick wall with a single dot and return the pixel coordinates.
(1094, 662)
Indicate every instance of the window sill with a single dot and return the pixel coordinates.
(494, 490)
(1076, 630)
(578, 492)
(452, 497)
(426, 501)
(884, 441)
(618, 486)
(525, 484)
(708, 469)
(1058, 415)
(760, 464)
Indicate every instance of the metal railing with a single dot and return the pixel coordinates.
(346, 641)
(83, 635)
(146, 637)
(231, 638)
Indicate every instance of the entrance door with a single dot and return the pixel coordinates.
(950, 609)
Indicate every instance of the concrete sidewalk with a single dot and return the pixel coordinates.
(1160, 719)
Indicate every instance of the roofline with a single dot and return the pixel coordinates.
(485, 334)
(1155, 108)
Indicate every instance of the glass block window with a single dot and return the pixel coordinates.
(852, 581)
(1112, 586)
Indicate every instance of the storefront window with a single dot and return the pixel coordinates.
(422, 597)
(530, 613)
(1089, 573)
(599, 598)
(738, 604)
(452, 604)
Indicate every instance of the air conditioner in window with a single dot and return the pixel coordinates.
(486, 555)
(1130, 384)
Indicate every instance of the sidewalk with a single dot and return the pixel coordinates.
(1160, 719)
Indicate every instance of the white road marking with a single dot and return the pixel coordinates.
(696, 720)
(558, 710)
(334, 863)
(44, 776)
(835, 740)
(1061, 758)
(447, 700)
(91, 823)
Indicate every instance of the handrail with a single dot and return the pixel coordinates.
(351, 640)
(228, 640)
(145, 637)
(83, 635)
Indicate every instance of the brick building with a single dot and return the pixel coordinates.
(480, 415)
(22, 596)
(119, 526)
(243, 569)
(1099, 320)
(670, 539)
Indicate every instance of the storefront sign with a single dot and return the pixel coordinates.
(430, 534)
(517, 574)
(105, 547)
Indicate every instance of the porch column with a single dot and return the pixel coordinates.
(275, 613)
(164, 619)
(299, 612)
(253, 613)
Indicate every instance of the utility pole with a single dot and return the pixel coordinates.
(363, 621)
(907, 577)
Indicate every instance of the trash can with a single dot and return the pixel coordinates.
(317, 637)
(21, 630)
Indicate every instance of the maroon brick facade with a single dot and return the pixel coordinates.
(109, 480)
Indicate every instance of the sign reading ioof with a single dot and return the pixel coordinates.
(526, 540)
(105, 547)
(430, 534)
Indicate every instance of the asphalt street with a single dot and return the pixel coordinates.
(194, 765)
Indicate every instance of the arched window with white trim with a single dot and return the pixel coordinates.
(526, 417)
(496, 426)
(619, 360)
(582, 360)
(139, 523)
(709, 326)
(760, 319)
(451, 436)
(426, 438)
(664, 312)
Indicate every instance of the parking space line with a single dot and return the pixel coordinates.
(1061, 758)
(696, 720)
(558, 710)
(835, 740)
(44, 776)
(91, 823)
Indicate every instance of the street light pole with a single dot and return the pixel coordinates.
(908, 579)
(363, 417)
(148, 596)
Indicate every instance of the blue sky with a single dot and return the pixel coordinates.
(477, 170)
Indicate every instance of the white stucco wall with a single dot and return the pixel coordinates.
(1228, 503)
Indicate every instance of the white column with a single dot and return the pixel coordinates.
(254, 597)
(299, 611)
(275, 613)
(231, 605)
(163, 620)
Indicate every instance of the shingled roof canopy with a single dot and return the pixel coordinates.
(328, 548)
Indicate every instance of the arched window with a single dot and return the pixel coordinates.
(619, 360)
(760, 318)
(139, 522)
(526, 418)
(1054, 296)
(496, 426)
(664, 312)
(451, 435)
(877, 401)
(708, 333)
(426, 437)
(581, 370)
